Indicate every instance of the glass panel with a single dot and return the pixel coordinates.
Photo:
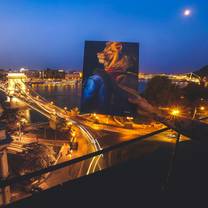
(159, 147)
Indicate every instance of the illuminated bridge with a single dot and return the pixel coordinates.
(16, 88)
(187, 77)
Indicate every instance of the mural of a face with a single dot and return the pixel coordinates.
(110, 56)
(109, 69)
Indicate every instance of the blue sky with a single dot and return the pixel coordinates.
(41, 33)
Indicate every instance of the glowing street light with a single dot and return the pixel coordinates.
(202, 108)
(175, 112)
(69, 123)
(95, 116)
(129, 119)
(73, 134)
(23, 120)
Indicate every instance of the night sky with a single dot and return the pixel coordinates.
(39, 33)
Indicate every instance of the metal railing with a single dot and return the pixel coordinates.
(11, 181)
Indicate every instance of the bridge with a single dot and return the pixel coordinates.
(186, 77)
(16, 88)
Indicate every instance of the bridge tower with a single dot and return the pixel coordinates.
(15, 79)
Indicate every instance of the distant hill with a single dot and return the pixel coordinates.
(203, 72)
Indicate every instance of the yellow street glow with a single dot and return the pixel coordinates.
(202, 108)
(175, 112)
(69, 123)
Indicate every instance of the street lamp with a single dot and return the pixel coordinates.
(129, 118)
(202, 108)
(69, 123)
(95, 117)
(65, 110)
(175, 112)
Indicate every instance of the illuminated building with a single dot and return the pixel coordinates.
(52, 74)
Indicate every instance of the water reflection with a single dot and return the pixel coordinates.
(62, 96)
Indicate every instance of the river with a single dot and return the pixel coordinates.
(62, 96)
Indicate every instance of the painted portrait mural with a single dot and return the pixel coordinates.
(110, 70)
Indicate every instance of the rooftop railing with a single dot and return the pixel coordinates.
(121, 151)
(18, 179)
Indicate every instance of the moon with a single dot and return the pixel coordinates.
(187, 12)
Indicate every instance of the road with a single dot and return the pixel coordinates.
(99, 136)
(87, 143)
(140, 149)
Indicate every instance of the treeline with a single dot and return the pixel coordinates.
(162, 92)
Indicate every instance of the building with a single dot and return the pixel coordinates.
(3, 74)
(74, 75)
(52, 74)
(32, 74)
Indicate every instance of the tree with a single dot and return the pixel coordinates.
(37, 157)
(194, 94)
(160, 91)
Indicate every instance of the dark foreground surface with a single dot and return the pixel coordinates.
(136, 183)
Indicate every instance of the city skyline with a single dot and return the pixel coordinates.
(41, 34)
